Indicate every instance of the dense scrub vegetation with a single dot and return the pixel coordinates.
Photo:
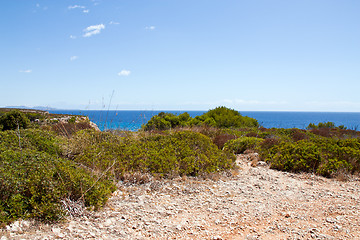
(166, 154)
(34, 178)
(13, 120)
(220, 117)
(44, 165)
(324, 151)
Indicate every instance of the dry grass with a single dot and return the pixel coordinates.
(68, 129)
(136, 178)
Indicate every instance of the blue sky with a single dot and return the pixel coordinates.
(254, 55)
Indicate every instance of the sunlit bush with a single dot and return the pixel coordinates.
(220, 117)
(13, 120)
(33, 184)
(179, 153)
(239, 145)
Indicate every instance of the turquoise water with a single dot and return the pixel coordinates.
(132, 120)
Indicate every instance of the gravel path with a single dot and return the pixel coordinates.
(250, 203)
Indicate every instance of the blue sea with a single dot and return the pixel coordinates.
(132, 120)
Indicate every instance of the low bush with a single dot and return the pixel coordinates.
(239, 145)
(35, 139)
(13, 120)
(338, 154)
(220, 117)
(302, 156)
(86, 139)
(33, 184)
(321, 125)
(179, 153)
(322, 155)
(32, 116)
(164, 121)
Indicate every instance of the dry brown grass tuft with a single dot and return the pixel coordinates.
(68, 129)
(136, 178)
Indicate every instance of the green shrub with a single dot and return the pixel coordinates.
(321, 155)
(179, 153)
(220, 117)
(339, 155)
(327, 125)
(164, 121)
(32, 116)
(302, 156)
(86, 139)
(223, 117)
(352, 142)
(239, 145)
(13, 120)
(40, 140)
(72, 120)
(33, 184)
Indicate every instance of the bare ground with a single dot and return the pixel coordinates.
(253, 202)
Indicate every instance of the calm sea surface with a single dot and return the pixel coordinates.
(132, 120)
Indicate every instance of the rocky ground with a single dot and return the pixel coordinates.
(253, 202)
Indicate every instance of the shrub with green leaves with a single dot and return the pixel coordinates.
(33, 184)
(164, 121)
(239, 145)
(223, 117)
(302, 156)
(179, 153)
(35, 139)
(220, 117)
(338, 154)
(322, 155)
(13, 120)
(327, 125)
(32, 116)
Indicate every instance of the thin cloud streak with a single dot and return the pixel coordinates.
(93, 30)
(151, 28)
(26, 71)
(76, 6)
(124, 73)
(73, 58)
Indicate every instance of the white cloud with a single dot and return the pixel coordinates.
(38, 6)
(96, 2)
(92, 30)
(26, 71)
(150, 28)
(113, 23)
(86, 11)
(73, 58)
(76, 6)
(124, 73)
(72, 37)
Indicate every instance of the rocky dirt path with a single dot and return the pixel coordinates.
(251, 203)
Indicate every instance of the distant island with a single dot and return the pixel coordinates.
(35, 108)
